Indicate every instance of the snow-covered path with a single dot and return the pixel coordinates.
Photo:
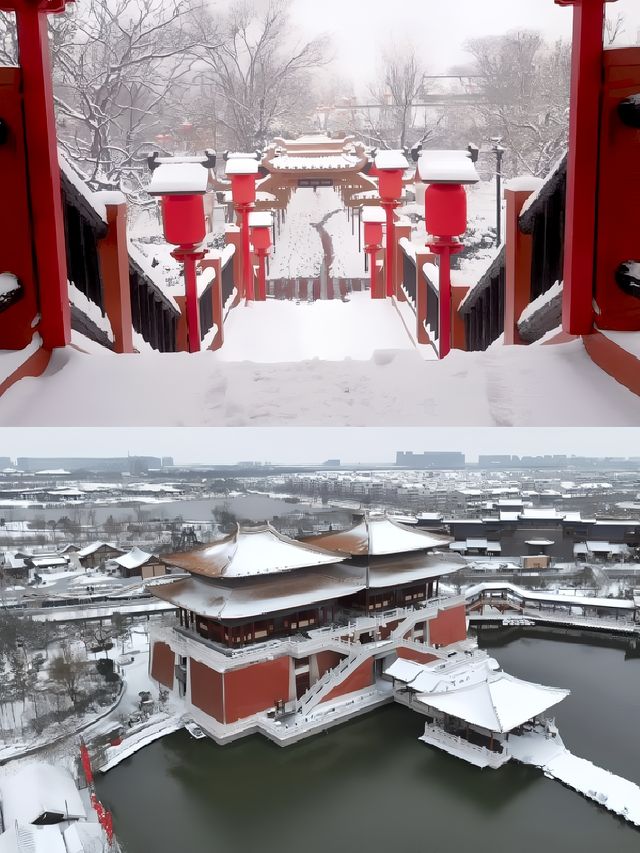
(504, 386)
(283, 331)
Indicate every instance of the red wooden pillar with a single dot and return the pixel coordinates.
(582, 164)
(518, 248)
(114, 265)
(217, 308)
(44, 171)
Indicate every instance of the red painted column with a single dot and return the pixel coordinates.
(444, 302)
(517, 292)
(262, 275)
(582, 164)
(389, 261)
(44, 173)
(114, 265)
(247, 271)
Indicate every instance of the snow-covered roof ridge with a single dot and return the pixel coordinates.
(95, 546)
(133, 559)
(250, 551)
(377, 534)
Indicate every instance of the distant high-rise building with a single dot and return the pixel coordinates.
(5, 462)
(430, 459)
(167, 461)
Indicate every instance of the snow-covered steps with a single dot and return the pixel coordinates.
(618, 354)
(614, 793)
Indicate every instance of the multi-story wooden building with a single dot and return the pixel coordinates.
(287, 637)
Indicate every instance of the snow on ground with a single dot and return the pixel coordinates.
(298, 251)
(316, 330)
(11, 360)
(504, 386)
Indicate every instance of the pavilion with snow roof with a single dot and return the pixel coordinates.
(267, 622)
(472, 706)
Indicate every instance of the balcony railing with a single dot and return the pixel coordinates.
(483, 308)
(408, 275)
(544, 220)
(153, 315)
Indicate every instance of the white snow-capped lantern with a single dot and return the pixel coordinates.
(447, 167)
(178, 179)
(373, 214)
(242, 166)
(392, 159)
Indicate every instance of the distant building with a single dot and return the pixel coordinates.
(97, 553)
(131, 464)
(430, 459)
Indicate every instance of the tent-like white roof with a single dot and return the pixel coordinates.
(135, 558)
(252, 551)
(379, 535)
(477, 692)
(32, 839)
(500, 703)
(38, 788)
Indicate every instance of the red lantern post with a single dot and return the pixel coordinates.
(390, 167)
(181, 186)
(243, 172)
(446, 173)
(373, 219)
(260, 225)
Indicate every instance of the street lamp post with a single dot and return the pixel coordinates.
(390, 168)
(498, 150)
(243, 173)
(446, 173)
(181, 185)
(373, 218)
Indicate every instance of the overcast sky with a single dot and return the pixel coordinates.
(438, 28)
(283, 445)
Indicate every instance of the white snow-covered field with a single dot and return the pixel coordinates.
(555, 385)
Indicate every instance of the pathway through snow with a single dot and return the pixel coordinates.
(508, 386)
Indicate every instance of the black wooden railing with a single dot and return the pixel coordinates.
(409, 277)
(433, 309)
(483, 309)
(83, 228)
(206, 305)
(153, 316)
(544, 220)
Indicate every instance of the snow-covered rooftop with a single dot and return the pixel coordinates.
(135, 558)
(37, 789)
(373, 213)
(95, 546)
(378, 535)
(261, 219)
(251, 551)
(265, 595)
(33, 839)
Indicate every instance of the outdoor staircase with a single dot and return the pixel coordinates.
(333, 678)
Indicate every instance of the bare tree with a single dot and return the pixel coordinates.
(613, 28)
(396, 119)
(67, 671)
(117, 69)
(260, 75)
(524, 86)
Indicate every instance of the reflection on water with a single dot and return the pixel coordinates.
(371, 786)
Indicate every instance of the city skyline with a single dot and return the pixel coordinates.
(314, 445)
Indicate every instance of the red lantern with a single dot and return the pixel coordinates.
(243, 172)
(390, 167)
(445, 210)
(183, 219)
(182, 187)
(260, 225)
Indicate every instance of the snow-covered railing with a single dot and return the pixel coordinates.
(483, 308)
(543, 218)
(228, 291)
(84, 225)
(153, 315)
(408, 272)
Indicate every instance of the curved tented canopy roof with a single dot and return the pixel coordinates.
(249, 552)
(409, 568)
(378, 535)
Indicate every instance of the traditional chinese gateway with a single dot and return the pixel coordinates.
(290, 637)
